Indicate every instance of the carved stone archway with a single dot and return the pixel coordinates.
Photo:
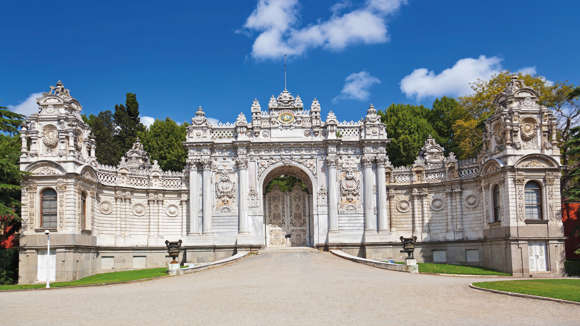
(288, 213)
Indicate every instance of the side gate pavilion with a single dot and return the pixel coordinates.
(501, 210)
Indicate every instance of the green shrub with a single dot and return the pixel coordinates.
(572, 267)
(8, 266)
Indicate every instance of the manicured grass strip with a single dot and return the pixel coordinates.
(105, 278)
(559, 289)
(457, 269)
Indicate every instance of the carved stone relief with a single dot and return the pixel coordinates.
(139, 210)
(528, 129)
(225, 192)
(403, 206)
(349, 190)
(106, 207)
(50, 136)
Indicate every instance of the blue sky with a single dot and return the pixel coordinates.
(221, 55)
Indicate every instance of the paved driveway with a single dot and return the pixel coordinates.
(284, 288)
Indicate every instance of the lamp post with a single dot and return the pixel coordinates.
(47, 258)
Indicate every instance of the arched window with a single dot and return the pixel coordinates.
(83, 210)
(533, 201)
(48, 199)
(496, 204)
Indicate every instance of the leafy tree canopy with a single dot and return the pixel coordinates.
(10, 174)
(163, 140)
(408, 127)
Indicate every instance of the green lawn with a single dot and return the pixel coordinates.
(559, 289)
(457, 269)
(105, 278)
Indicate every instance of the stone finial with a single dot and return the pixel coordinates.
(372, 117)
(199, 118)
(199, 112)
(298, 102)
(513, 85)
(273, 103)
(331, 118)
(432, 153)
(256, 106)
(315, 106)
(241, 120)
(59, 90)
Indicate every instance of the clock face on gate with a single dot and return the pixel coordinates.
(286, 117)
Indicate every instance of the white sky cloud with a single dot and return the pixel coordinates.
(356, 86)
(454, 81)
(146, 120)
(28, 106)
(277, 23)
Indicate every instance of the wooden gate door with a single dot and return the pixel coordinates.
(287, 218)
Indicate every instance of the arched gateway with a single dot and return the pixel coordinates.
(349, 195)
(288, 207)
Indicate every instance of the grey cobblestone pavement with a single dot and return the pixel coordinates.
(291, 287)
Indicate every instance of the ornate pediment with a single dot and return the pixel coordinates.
(535, 161)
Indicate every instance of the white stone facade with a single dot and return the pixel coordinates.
(111, 217)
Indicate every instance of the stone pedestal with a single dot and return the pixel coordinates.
(412, 266)
(173, 269)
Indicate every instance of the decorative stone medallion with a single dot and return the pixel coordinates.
(50, 136)
(528, 128)
(471, 201)
(437, 204)
(286, 117)
(106, 207)
(172, 210)
(403, 206)
(139, 210)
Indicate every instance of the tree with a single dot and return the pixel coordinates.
(103, 128)
(10, 174)
(163, 140)
(10, 178)
(408, 128)
(568, 115)
(571, 190)
(127, 123)
(445, 112)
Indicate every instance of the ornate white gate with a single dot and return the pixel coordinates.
(287, 218)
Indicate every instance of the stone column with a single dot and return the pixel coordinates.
(332, 195)
(449, 193)
(207, 194)
(370, 220)
(193, 198)
(382, 198)
(243, 195)
(459, 210)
